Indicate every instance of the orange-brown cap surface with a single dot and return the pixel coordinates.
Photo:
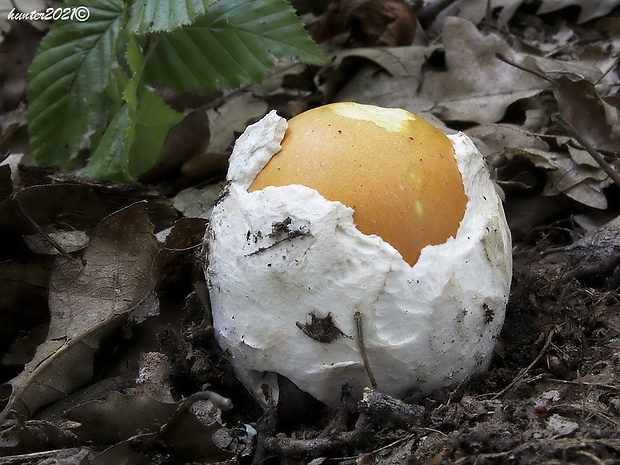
(396, 171)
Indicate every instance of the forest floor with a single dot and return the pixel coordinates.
(150, 385)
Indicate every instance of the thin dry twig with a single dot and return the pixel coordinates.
(362, 346)
(293, 447)
(386, 410)
(575, 134)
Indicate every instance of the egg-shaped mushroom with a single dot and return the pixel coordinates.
(357, 245)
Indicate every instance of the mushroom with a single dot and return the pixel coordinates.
(357, 245)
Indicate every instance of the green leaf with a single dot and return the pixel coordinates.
(137, 132)
(114, 93)
(152, 117)
(67, 77)
(233, 44)
(153, 120)
(111, 158)
(147, 16)
(135, 61)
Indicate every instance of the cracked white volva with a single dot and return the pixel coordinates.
(278, 255)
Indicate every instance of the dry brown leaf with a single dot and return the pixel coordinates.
(501, 145)
(197, 203)
(22, 438)
(498, 137)
(373, 86)
(569, 171)
(391, 79)
(121, 417)
(582, 183)
(231, 118)
(75, 203)
(589, 9)
(476, 10)
(398, 61)
(597, 121)
(477, 86)
(371, 22)
(88, 301)
(43, 203)
(69, 241)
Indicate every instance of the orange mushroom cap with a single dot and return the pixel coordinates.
(395, 170)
